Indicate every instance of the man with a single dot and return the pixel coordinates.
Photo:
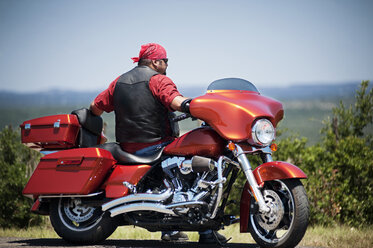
(142, 99)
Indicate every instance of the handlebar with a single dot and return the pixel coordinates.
(181, 117)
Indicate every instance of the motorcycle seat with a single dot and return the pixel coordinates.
(91, 127)
(127, 158)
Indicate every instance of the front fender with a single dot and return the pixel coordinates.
(266, 172)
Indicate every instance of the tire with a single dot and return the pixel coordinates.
(80, 224)
(287, 222)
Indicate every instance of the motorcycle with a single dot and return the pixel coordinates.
(89, 189)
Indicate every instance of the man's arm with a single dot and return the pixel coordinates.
(95, 110)
(104, 101)
(176, 103)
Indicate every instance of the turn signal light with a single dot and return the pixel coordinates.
(273, 147)
(231, 146)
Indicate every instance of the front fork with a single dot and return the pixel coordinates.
(246, 167)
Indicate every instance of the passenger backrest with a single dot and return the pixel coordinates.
(91, 128)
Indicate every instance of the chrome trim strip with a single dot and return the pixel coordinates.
(137, 197)
(73, 196)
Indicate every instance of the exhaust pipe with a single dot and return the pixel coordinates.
(135, 202)
(137, 197)
(160, 208)
(156, 207)
(188, 204)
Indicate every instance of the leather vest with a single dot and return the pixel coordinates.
(139, 116)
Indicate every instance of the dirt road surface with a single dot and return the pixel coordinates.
(111, 243)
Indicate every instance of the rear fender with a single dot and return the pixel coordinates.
(266, 172)
(40, 207)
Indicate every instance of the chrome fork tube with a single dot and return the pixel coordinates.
(268, 154)
(246, 167)
(268, 157)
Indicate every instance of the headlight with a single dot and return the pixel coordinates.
(263, 132)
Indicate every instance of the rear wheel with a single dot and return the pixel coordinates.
(79, 223)
(286, 223)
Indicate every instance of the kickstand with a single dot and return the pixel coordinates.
(218, 241)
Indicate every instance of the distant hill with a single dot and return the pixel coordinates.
(52, 98)
(305, 106)
(310, 92)
(58, 98)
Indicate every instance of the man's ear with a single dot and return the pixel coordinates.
(154, 64)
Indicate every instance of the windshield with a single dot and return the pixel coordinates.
(232, 84)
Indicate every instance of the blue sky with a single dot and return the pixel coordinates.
(85, 44)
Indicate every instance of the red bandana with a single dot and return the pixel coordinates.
(151, 51)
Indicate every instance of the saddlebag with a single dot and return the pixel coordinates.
(76, 171)
(50, 132)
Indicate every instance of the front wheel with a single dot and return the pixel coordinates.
(286, 222)
(79, 223)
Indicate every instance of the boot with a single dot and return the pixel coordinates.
(212, 237)
(174, 236)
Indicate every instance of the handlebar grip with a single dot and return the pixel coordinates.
(185, 105)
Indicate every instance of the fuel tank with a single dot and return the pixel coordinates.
(203, 141)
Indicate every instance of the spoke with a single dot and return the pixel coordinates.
(275, 225)
(270, 235)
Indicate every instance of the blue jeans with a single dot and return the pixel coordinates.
(175, 232)
(150, 150)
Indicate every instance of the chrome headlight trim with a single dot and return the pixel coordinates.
(263, 132)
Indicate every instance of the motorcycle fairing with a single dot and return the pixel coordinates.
(266, 172)
(232, 112)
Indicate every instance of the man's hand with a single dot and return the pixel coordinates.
(95, 110)
(185, 105)
(176, 103)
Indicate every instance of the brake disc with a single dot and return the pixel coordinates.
(271, 219)
(77, 212)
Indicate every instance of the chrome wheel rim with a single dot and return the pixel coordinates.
(77, 216)
(274, 226)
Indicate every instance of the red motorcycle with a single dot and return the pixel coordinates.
(89, 189)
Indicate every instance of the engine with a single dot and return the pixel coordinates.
(190, 178)
(191, 191)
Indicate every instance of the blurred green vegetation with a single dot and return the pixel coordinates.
(17, 162)
(339, 166)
